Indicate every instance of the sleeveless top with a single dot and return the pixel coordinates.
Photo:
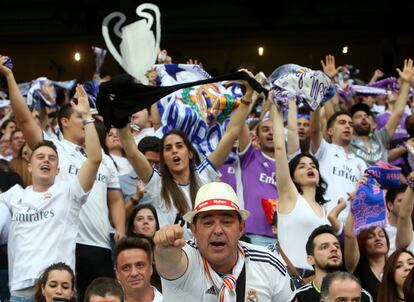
(294, 229)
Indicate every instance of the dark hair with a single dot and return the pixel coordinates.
(274, 219)
(323, 229)
(409, 125)
(170, 191)
(409, 286)
(362, 239)
(131, 218)
(393, 192)
(15, 131)
(322, 185)
(360, 107)
(104, 286)
(387, 290)
(149, 143)
(45, 143)
(41, 282)
(138, 241)
(64, 112)
(331, 277)
(102, 132)
(334, 116)
(6, 123)
(4, 165)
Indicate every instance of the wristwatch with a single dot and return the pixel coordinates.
(88, 120)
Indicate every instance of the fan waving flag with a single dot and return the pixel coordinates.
(309, 87)
(368, 206)
(201, 112)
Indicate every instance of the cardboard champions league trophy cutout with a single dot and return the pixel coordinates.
(139, 48)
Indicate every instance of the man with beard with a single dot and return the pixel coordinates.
(325, 255)
(370, 145)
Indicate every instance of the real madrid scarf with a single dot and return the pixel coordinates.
(226, 284)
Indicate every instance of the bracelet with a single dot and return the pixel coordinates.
(88, 120)
(410, 182)
(245, 102)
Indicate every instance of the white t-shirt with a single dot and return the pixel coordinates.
(341, 171)
(5, 220)
(123, 165)
(157, 295)
(392, 236)
(94, 216)
(143, 133)
(43, 229)
(206, 173)
(266, 278)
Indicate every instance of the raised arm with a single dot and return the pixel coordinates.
(406, 76)
(89, 168)
(377, 74)
(405, 224)
(351, 250)
(155, 117)
(315, 131)
(138, 161)
(285, 186)
(170, 260)
(292, 127)
(218, 156)
(330, 69)
(23, 116)
(117, 216)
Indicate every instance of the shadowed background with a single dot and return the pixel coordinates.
(43, 36)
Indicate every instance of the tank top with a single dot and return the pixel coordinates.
(294, 229)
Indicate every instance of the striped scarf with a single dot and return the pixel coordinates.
(226, 284)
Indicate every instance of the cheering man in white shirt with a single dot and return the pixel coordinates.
(93, 251)
(218, 267)
(45, 216)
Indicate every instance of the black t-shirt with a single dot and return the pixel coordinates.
(309, 293)
(8, 180)
(368, 279)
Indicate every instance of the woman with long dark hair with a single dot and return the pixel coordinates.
(300, 209)
(173, 188)
(396, 270)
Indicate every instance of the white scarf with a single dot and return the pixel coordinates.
(227, 284)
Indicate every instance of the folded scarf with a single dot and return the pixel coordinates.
(368, 206)
(385, 174)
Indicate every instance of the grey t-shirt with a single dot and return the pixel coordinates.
(374, 149)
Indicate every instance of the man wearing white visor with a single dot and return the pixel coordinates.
(217, 266)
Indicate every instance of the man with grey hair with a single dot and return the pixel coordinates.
(341, 286)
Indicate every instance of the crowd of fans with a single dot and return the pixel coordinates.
(265, 215)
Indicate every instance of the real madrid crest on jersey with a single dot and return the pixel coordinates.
(251, 295)
(47, 195)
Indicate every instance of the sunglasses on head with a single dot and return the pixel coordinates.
(304, 115)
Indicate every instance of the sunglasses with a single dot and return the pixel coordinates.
(304, 115)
